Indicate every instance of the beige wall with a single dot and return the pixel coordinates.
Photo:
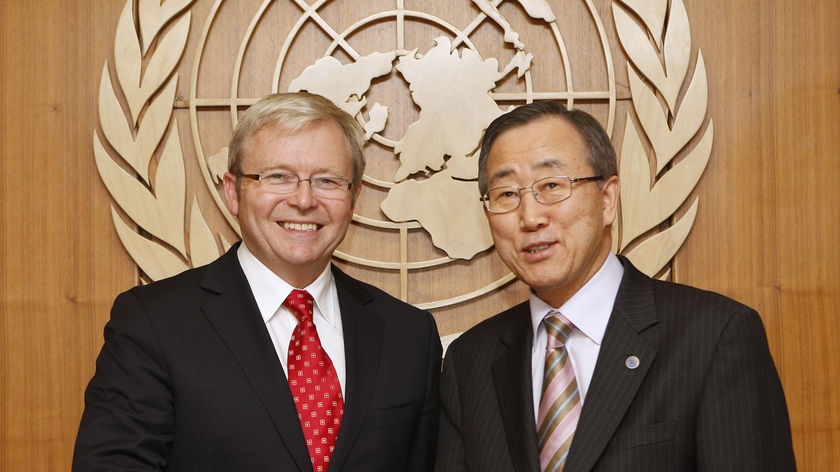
(765, 233)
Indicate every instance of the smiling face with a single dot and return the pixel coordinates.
(555, 249)
(294, 235)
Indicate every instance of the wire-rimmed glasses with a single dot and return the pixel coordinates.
(284, 183)
(548, 191)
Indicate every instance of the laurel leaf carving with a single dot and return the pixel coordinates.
(643, 208)
(170, 194)
(652, 13)
(202, 245)
(138, 87)
(677, 50)
(128, 67)
(153, 259)
(154, 213)
(635, 174)
(154, 14)
(136, 151)
(667, 140)
(154, 202)
(668, 80)
(651, 198)
(655, 252)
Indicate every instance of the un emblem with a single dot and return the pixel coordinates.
(424, 82)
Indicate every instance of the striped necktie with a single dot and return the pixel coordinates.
(314, 384)
(560, 403)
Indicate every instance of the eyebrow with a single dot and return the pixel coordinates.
(285, 169)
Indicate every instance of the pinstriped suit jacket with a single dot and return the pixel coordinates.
(706, 395)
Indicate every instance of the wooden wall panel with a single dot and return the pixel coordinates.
(765, 233)
(61, 260)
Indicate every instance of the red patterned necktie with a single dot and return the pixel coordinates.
(314, 384)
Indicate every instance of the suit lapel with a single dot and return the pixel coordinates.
(232, 310)
(512, 380)
(363, 337)
(614, 384)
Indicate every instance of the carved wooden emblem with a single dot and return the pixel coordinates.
(425, 79)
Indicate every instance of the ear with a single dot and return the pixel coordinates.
(610, 193)
(231, 193)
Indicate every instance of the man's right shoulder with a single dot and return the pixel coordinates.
(217, 276)
(173, 284)
(513, 320)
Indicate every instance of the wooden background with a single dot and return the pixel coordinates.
(766, 232)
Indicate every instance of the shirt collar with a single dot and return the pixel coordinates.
(589, 309)
(270, 290)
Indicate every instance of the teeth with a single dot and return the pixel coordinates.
(537, 248)
(301, 226)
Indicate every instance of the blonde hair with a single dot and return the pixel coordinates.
(292, 112)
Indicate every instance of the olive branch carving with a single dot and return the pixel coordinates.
(150, 184)
(657, 40)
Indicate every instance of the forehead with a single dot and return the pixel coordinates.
(319, 145)
(549, 145)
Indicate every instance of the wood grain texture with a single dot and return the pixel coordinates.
(61, 261)
(765, 232)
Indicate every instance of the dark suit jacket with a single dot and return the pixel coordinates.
(705, 396)
(188, 379)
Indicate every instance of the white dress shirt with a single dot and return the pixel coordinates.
(589, 311)
(270, 291)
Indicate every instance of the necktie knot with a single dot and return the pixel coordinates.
(300, 303)
(558, 329)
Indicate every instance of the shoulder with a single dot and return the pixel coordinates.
(515, 318)
(680, 313)
(368, 297)
(174, 286)
(671, 297)
(508, 329)
(186, 288)
(405, 330)
(677, 298)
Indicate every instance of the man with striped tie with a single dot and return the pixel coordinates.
(603, 368)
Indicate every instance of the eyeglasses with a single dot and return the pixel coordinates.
(284, 183)
(548, 191)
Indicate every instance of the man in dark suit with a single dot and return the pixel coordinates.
(209, 370)
(603, 368)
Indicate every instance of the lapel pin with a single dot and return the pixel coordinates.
(631, 362)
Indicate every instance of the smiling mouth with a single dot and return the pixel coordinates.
(300, 226)
(536, 249)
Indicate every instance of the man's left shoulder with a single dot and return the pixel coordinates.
(374, 298)
(667, 292)
(670, 296)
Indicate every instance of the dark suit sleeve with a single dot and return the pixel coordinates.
(450, 456)
(743, 421)
(128, 416)
(423, 450)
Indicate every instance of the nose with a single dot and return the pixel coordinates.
(532, 214)
(302, 196)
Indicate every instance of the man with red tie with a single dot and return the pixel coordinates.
(269, 358)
